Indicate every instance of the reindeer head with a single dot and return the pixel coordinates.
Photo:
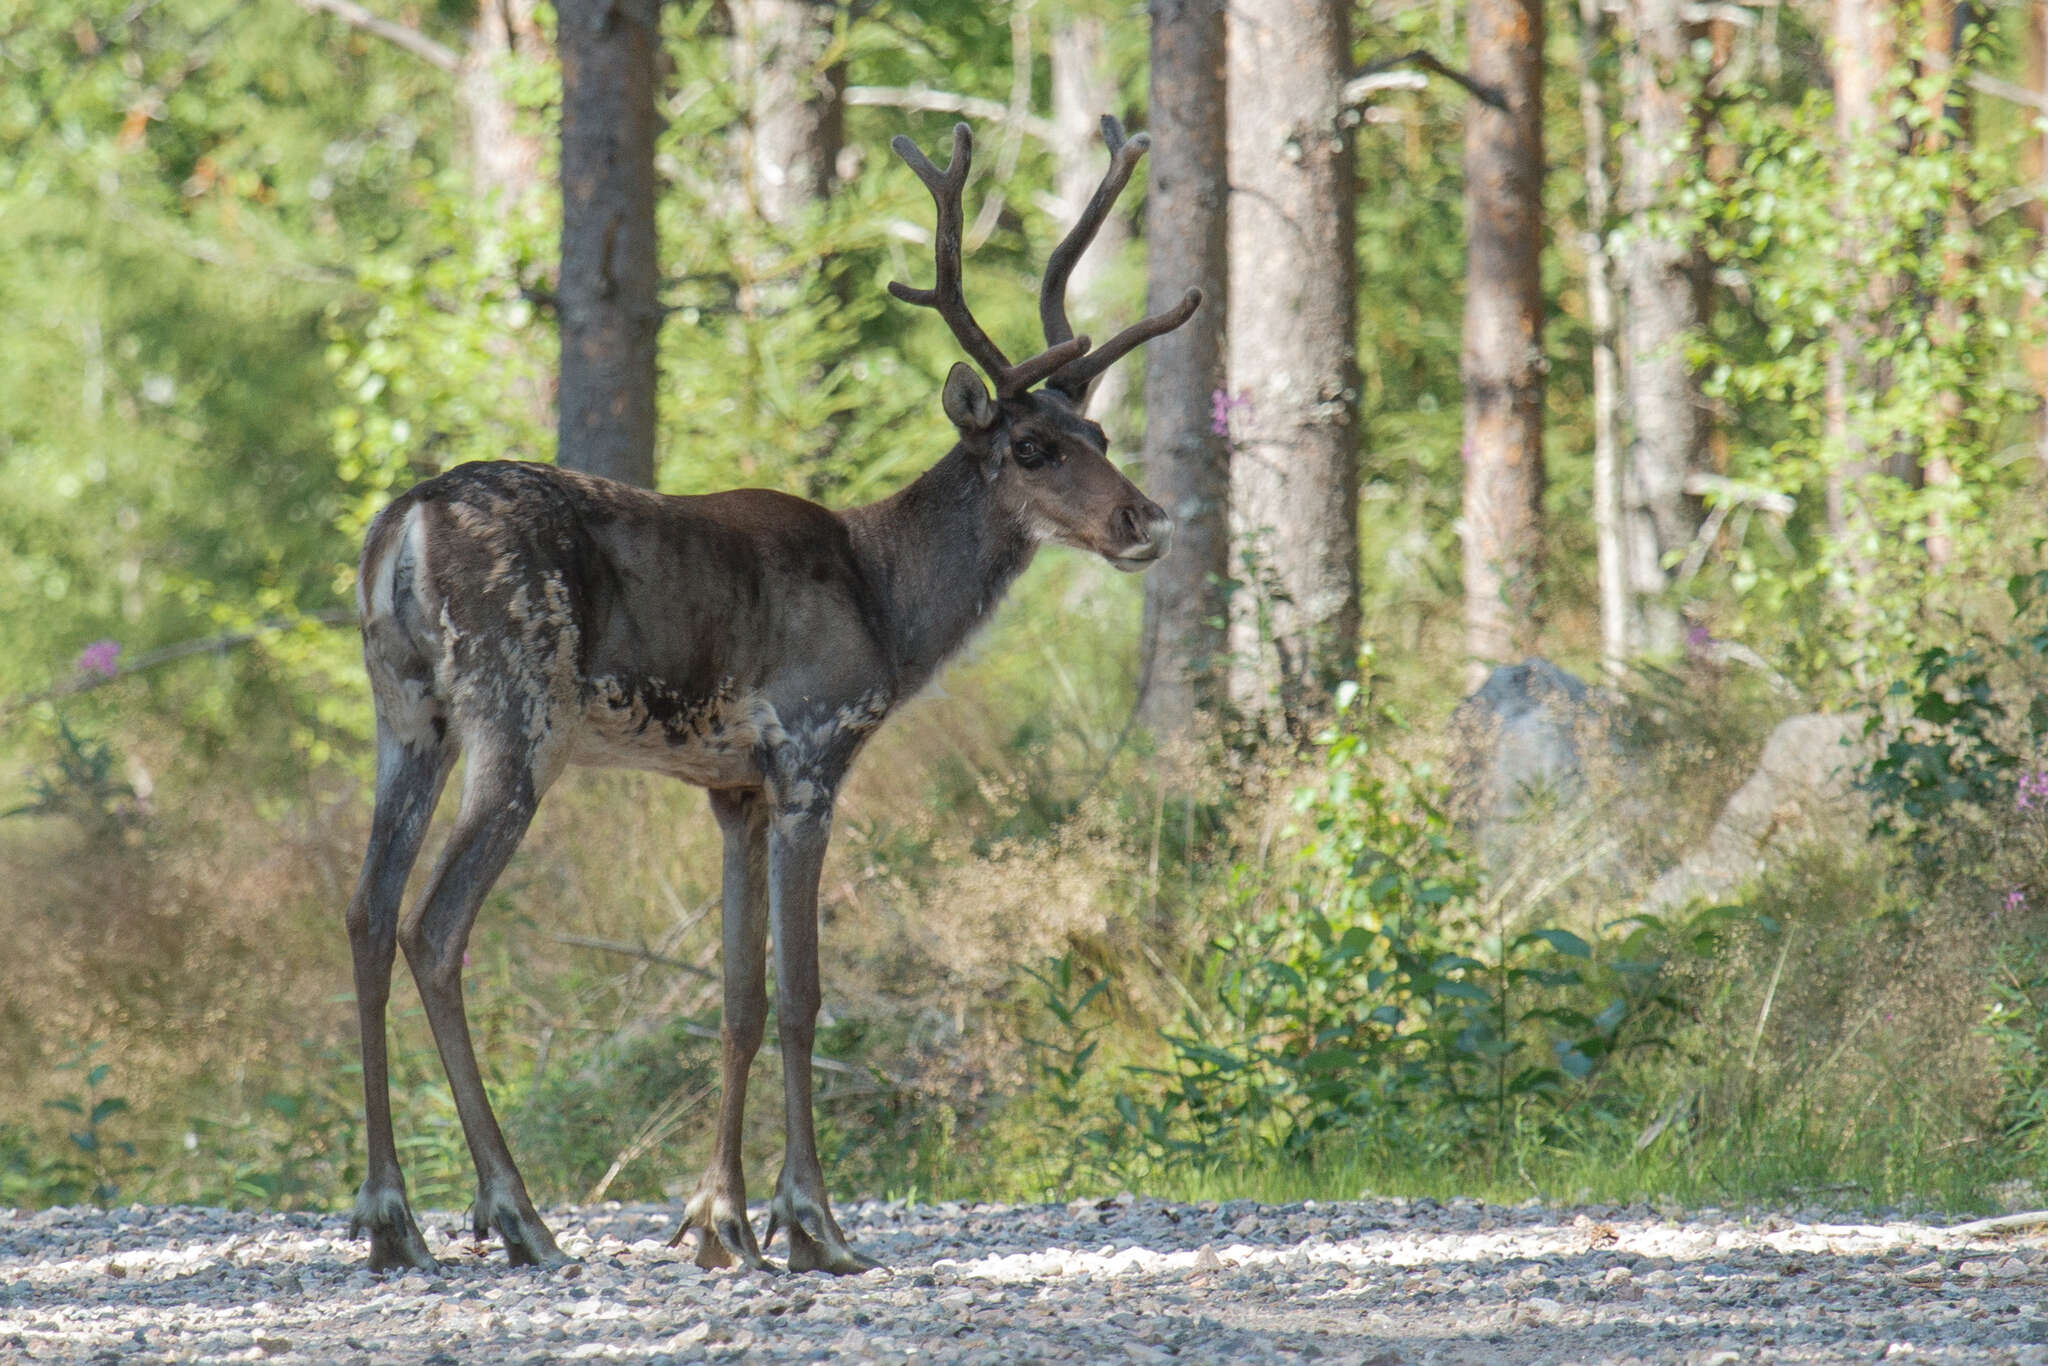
(1047, 462)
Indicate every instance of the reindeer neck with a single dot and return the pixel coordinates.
(941, 553)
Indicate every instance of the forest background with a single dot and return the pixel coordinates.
(1700, 348)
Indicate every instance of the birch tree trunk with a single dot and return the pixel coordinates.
(1944, 24)
(2035, 164)
(1292, 357)
(783, 56)
(504, 159)
(1608, 534)
(1502, 362)
(1187, 461)
(1663, 276)
(1084, 88)
(607, 294)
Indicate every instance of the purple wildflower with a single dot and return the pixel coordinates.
(2032, 788)
(101, 658)
(1221, 406)
(2016, 899)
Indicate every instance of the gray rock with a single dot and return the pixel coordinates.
(1803, 791)
(1519, 750)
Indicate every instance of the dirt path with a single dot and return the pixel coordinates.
(1380, 1282)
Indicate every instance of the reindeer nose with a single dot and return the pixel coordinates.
(1145, 531)
(1129, 527)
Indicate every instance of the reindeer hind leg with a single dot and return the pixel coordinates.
(500, 790)
(410, 776)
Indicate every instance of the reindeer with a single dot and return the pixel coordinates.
(748, 642)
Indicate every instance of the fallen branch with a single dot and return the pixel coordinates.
(399, 35)
(645, 955)
(217, 644)
(1361, 87)
(923, 101)
(2006, 90)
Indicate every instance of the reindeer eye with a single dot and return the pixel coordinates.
(1029, 453)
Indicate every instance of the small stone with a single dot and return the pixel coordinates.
(1206, 1261)
(271, 1347)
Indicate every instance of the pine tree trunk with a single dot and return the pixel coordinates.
(607, 294)
(796, 121)
(1292, 357)
(1502, 363)
(1662, 276)
(1187, 461)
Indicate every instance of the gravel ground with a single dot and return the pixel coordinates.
(1377, 1282)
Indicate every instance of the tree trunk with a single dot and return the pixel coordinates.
(504, 160)
(2035, 171)
(1662, 275)
(783, 55)
(1187, 460)
(1862, 49)
(1084, 88)
(1944, 26)
(1502, 364)
(1292, 358)
(607, 295)
(505, 154)
(1608, 523)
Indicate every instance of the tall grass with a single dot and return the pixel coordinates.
(1846, 1030)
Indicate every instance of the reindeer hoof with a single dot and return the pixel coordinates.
(809, 1254)
(724, 1236)
(395, 1240)
(527, 1240)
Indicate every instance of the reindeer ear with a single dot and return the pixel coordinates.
(967, 401)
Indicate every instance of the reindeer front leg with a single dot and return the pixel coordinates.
(718, 1207)
(796, 854)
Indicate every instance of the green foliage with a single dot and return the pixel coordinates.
(79, 782)
(1955, 760)
(2016, 1023)
(1368, 999)
(1058, 1060)
(184, 187)
(1917, 326)
(95, 1165)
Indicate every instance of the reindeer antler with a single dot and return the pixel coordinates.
(945, 295)
(1074, 378)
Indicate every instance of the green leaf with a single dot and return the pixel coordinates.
(1563, 941)
(1574, 1062)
